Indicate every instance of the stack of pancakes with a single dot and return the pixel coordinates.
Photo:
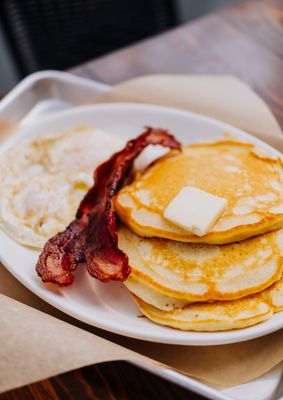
(232, 276)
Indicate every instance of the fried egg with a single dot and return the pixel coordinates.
(43, 180)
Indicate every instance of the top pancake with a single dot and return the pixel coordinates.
(250, 180)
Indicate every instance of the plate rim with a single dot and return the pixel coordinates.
(242, 334)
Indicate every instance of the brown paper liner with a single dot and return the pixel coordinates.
(35, 345)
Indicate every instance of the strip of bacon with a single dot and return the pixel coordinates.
(92, 236)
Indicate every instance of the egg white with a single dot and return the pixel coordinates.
(42, 181)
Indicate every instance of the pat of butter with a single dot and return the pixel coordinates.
(195, 210)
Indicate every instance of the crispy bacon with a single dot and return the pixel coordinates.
(92, 236)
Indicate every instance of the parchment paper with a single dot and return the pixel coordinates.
(35, 345)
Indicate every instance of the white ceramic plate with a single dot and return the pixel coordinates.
(109, 305)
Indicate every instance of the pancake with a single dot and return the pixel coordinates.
(152, 296)
(248, 178)
(43, 180)
(200, 272)
(220, 315)
(212, 317)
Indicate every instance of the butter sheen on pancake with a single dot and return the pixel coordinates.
(251, 183)
(200, 272)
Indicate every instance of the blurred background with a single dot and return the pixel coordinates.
(58, 34)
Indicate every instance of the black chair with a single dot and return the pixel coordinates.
(61, 33)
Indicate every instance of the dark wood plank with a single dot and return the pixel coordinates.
(109, 381)
(245, 40)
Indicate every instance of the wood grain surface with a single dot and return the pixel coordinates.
(108, 381)
(245, 40)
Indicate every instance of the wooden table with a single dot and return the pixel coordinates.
(245, 40)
